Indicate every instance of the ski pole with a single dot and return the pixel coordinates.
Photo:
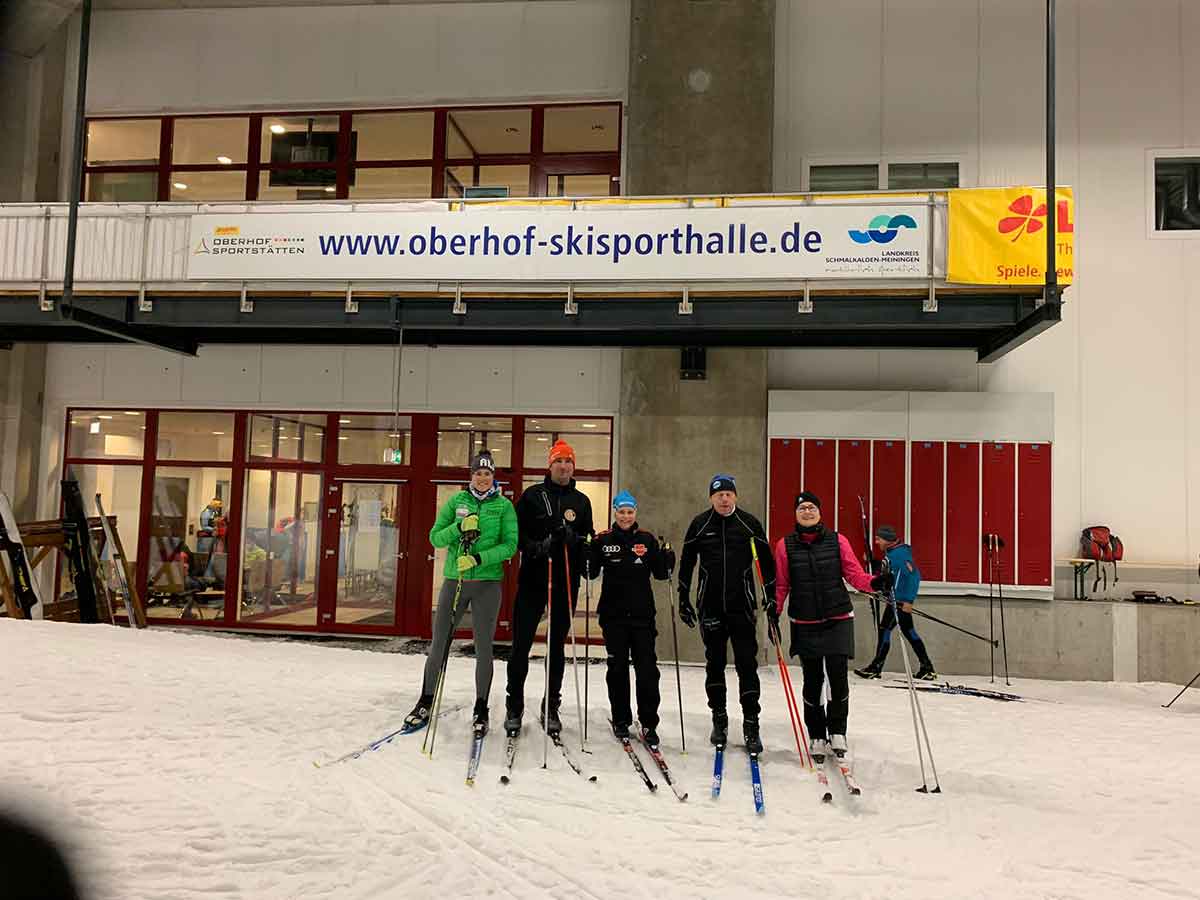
(587, 630)
(1185, 687)
(991, 613)
(574, 657)
(675, 645)
(431, 733)
(549, 639)
(785, 677)
(1003, 631)
(914, 702)
(862, 509)
(978, 637)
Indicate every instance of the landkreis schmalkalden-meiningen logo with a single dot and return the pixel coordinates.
(882, 229)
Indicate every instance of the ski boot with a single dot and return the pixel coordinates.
(840, 747)
(650, 737)
(926, 673)
(870, 671)
(480, 724)
(550, 721)
(754, 744)
(720, 729)
(419, 717)
(620, 730)
(818, 748)
(512, 721)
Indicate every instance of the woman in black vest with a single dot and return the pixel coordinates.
(812, 565)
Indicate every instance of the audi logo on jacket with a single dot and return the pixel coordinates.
(721, 545)
(627, 559)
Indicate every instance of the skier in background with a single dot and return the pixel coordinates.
(907, 582)
(719, 539)
(628, 557)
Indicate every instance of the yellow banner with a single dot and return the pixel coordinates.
(998, 236)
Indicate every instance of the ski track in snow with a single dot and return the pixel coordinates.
(180, 765)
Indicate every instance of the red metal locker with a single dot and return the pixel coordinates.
(887, 486)
(962, 512)
(820, 473)
(785, 484)
(1034, 562)
(928, 480)
(1000, 505)
(854, 481)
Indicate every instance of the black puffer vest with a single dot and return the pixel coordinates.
(815, 568)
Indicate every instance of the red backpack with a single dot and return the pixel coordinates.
(1099, 543)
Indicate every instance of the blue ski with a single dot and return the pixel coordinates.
(386, 739)
(476, 752)
(756, 780)
(718, 770)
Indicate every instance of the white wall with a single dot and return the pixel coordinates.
(404, 54)
(441, 379)
(870, 78)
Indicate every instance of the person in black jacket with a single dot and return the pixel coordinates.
(553, 519)
(720, 539)
(628, 557)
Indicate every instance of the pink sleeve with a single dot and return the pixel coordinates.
(852, 570)
(783, 583)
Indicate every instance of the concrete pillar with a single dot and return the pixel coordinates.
(700, 114)
(22, 387)
(701, 96)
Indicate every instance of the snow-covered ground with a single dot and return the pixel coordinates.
(180, 765)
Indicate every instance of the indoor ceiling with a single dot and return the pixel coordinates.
(27, 25)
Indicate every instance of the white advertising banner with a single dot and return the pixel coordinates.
(494, 243)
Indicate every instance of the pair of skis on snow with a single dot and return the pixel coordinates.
(659, 760)
(755, 777)
(510, 758)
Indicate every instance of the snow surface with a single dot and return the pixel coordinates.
(180, 765)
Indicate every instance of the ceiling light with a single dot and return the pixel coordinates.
(218, 432)
(330, 190)
(587, 424)
(343, 439)
(179, 185)
(225, 160)
(94, 428)
(395, 434)
(343, 421)
(133, 414)
(278, 129)
(464, 423)
(544, 439)
(103, 417)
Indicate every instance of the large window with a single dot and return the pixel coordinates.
(882, 175)
(1177, 191)
(515, 151)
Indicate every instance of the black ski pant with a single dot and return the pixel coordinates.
(625, 641)
(739, 631)
(907, 628)
(528, 610)
(823, 720)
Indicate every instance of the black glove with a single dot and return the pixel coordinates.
(882, 582)
(773, 624)
(569, 537)
(541, 549)
(687, 613)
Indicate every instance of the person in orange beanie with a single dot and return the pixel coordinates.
(554, 519)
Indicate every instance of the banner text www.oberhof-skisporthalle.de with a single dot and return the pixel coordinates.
(532, 244)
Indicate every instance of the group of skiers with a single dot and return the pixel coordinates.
(805, 575)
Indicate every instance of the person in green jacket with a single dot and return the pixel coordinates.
(478, 528)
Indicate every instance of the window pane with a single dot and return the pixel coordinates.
(590, 439)
(299, 139)
(581, 129)
(472, 132)
(1177, 194)
(843, 178)
(197, 187)
(461, 437)
(578, 185)
(392, 184)
(282, 527)
(367, 548)
(121, 187)
(295, 437)
(207, 141)
(405, 135)
(120, 490)
(123, 142)
(290, 185)
(370, 439)
(195, 435)
(514, 178)
(188, 553)
(106, 434)
(922, 176)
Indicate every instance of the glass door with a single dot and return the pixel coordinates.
(371, 554)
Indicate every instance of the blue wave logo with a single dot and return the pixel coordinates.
(882, 229)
